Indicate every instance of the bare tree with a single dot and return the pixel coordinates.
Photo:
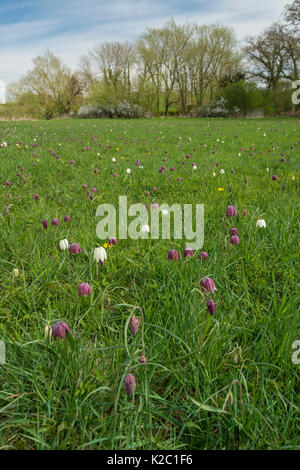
(292, 13)
(292, 56)
(211, 56)
(183, 61)
(52, 82)
(86, 74)
(267, 56)
(274, 55)
(114, 62)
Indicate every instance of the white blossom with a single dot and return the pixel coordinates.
(100, 255)
(145, 228)
(64, 244)
(261, 223)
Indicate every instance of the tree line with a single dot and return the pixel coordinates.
(186, 69)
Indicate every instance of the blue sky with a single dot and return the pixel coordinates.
(69, 28)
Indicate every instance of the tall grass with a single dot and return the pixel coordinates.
(221, 382)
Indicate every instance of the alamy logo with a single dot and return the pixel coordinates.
(186, 226)
(296, 354)
(2, 352)
(296, 94)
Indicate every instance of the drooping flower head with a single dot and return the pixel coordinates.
(235, 240)
(84, 289)
(129, 383)
(203, 255)
(233, 231)
(45, 223)
(113, 241)
(173, 255)
(74, 249)
(145, 228)
(59, 330)
(134, 325)
(64, 244)
(55, 222)
(231, 211)
(208, 284)
(100, 255)
(188, 253)
(211, 306)
(261, 223)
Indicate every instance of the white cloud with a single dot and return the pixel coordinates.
(95, 21)
(13, 6)
(25, 30)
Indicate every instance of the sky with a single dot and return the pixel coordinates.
(69, 28)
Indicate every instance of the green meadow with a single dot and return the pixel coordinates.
(221, 381)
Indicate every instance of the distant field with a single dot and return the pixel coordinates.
(222, 381)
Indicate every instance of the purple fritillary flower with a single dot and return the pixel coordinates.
(134, 325)
(45, 223)
(129, 384)
(231, 211)
(233, 231)
(59, 330)
(234, 240)
(188, 253)
(74, 249)
(207, 284)
(84, 289)
(173, 255)
(211, 306)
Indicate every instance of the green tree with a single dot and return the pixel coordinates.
(51, 82)
(242, 95)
